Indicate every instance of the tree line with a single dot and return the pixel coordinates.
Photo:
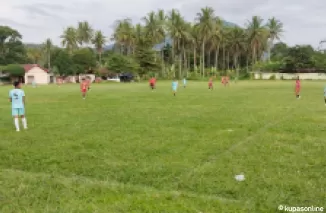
(165, 44)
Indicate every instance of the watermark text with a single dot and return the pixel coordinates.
(300, 208)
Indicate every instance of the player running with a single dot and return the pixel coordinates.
(152, 83)
(17, 99)
(184, 82)
(210, 84)
(174, 87)
(297, 88)
(84, 87)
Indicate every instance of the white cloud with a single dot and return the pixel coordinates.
(304, 21)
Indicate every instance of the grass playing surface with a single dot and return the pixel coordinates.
(127, 149)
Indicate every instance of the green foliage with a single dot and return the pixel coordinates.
(147, 61)
(299, 57)
(120, 63)
(252, 76)
(5, 79)
(319, 59)
(12, 50)
(15, 70)
(269, 66)
(64, 63)
(84, 60)
(272, 77)
(279, 51)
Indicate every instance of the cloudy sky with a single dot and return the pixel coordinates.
(304, 20)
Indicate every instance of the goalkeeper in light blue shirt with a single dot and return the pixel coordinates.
(17, 99)
(174, 87)
(184, 82)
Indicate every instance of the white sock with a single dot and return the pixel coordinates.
(16, 124)
(24, 121)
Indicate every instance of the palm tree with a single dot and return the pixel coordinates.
(178, 31)
(275, 28)
(99, 41)
(123, 35)
(195, 43)
(47, 47)
(84, 33)
(70, 39)
(237, 44)
(216, 38)
(152, 27)
(34, 54)
(206, 23)
(161, 16)
(257, 36)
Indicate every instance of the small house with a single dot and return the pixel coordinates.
(35, 73)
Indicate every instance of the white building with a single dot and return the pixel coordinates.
(35, 73)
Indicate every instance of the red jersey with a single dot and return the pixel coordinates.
(297, 83)
(84, 86)
(152, 81)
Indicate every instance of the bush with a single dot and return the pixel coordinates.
(272, 77)
(5, 80)
(194, 76)
(252, 76)
(15, 70)
(244, 76)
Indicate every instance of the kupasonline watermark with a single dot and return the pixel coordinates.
(300, 208)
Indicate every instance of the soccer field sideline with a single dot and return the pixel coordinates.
(167, 150)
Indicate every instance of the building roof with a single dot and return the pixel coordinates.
(28, 67)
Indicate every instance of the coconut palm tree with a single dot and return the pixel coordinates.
(152, 27)
(237, 45)
(47, 48)
(206, 22)
(84, 33)
(179, 33)
(275, 28)
(216, 38)
(257, 36)
(162, 17)
(99, 41)
(123, 35)
(70, 39)
(34, 54)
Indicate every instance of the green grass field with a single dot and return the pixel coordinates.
(126, 149)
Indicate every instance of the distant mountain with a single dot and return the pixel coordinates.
(31, 45)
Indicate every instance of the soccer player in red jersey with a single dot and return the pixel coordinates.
(297, 88)
(84, 87)
(210, 84)
(152, 83)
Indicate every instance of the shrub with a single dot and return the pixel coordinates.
(252, 76)
(272, 77)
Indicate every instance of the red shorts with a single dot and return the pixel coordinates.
(151, 84)
(210, 84)
(84, 90)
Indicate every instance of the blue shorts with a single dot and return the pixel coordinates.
(18, 111)
(174, 89)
